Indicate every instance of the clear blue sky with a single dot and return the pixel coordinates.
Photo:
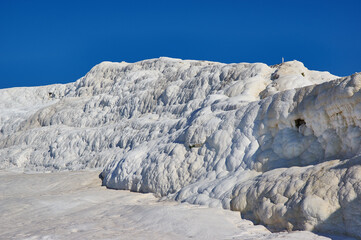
(46, 42)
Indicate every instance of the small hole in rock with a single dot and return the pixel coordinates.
(197, 145)
(299, 122)
(274, 76)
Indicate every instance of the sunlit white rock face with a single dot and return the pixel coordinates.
(280, 144)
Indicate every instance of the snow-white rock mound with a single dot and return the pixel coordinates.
(280, 143)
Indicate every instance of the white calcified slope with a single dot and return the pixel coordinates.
(73, 205)
(280, 144)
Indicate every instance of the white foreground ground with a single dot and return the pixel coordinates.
(73, 205)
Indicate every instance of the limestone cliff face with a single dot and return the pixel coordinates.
(279, 143)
